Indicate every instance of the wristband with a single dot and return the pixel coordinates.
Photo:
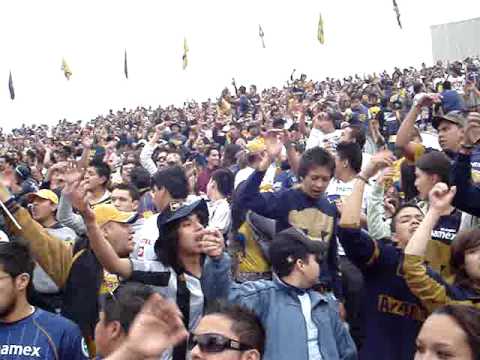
(360, 177)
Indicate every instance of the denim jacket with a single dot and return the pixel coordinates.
(278, 307)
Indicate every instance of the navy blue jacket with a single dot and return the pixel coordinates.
(467, 197)
(393, 314)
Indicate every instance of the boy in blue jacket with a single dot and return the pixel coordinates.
(300, 323)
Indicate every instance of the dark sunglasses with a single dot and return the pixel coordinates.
(215, 343)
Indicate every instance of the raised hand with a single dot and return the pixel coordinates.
(440, 197)
(472, 131)
(380, 160)
(156, 328)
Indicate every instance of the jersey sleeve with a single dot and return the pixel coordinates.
(73, 345)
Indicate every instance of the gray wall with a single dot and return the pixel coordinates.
(456, 41)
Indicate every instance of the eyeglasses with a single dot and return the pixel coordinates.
(215, 343)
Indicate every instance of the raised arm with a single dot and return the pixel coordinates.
(53, 255)
(440, 203)
(404, 134)
(147, 151)
(267, 204)
(105, 253)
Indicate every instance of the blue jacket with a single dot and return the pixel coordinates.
(292, 207)
(278, 307)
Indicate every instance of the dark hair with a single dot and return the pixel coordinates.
(447, 85)
(407, 176)
(358, 135)
(16, 259)
(174, 179)
(352, 153)
(230, 154)
(435, 163)
(132, 190)
(468, 318)
(166, 248)
(140, 178)
(125, 303)
(315, 157)
(245, 323)
(393, 224)
(463, 242)
(210, 149)
(102, 170)
(224, 180)
(284, 253)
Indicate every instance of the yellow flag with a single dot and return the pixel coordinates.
(185, 54)
(320, 35)
(66, 69)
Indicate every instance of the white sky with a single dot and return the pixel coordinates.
(361, 36)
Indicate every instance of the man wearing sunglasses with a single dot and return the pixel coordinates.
(227, 332)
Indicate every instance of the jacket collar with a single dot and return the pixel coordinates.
(294, 292)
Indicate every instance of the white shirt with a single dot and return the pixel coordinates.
(319, 138)
(312, 331)
(337, 190)
(145, 239)
(220, 215)
(243, 175)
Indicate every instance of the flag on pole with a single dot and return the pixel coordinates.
(125, 66)
(320, 35)
(185, 54)
(10, 86)
(261, 34)
(397, 11)
(66, 69)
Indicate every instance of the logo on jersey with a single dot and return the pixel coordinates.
(85, 349)
(20, 350)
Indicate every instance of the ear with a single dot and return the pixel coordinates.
(251, 355)
(116, 329)
(22, 281)
(135, 205)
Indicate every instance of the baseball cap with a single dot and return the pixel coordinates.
(105, 213)
(44, 194)
(287, 243)
(455, 116)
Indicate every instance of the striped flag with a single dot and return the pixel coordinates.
(261, 34)
(66, 69)
(320, 35)
(10, 86)
(185, 54)
(397, 11)
(125, 66)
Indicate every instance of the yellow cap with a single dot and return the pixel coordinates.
(105, 213)
(44, 194)
(257, 145)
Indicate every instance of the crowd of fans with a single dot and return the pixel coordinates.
(333, 219)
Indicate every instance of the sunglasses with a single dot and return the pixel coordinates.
(215, 343)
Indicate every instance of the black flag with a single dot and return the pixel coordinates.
(10, 86)
(125, 67)
(397, 11)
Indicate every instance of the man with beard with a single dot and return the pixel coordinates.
(27, 331)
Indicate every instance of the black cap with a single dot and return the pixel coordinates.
(178, 211)
(287, 243)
